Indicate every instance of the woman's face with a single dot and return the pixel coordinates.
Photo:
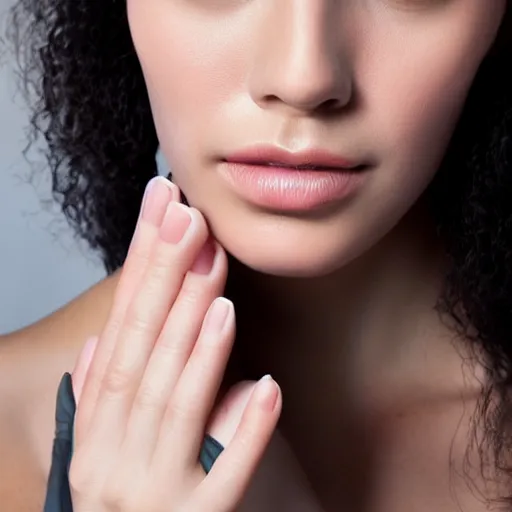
(334, 84)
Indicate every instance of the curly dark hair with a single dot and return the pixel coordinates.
(82, 77)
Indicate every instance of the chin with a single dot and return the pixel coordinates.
(287, 256)
(277, 266)
(291, 246)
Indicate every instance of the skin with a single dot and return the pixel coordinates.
(376, 396)
(380, 82)
(263, 73)
(166, 287)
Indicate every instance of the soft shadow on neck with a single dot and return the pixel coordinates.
(350, 347)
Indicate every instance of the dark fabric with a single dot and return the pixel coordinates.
(58, 497)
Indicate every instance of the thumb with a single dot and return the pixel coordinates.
(82, 366)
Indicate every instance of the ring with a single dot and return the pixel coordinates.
(210, 450)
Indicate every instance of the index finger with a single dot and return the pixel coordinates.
(159, 192)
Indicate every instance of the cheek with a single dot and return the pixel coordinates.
(418, 79)
(191, 67)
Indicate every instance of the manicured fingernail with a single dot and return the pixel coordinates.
(87, 352)
(218, 314)
(159, 192)
(82, 366)
(89, 349)
(266, 393)
(176, 222)
(204, 261)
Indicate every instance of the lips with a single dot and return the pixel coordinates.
(313, 159)
(271, 178)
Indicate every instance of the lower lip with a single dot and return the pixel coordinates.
(283, 188)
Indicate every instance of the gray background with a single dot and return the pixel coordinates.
(42, 266)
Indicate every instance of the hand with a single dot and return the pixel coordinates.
(146, 388)
(279, 483)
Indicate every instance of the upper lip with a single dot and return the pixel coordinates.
(308, 159)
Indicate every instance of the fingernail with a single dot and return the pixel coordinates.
(87, 352)
(89, 349)
(176, 222)
(218, 314)
(82, 367)
(204, 262)
(159, 192)
(266, 393)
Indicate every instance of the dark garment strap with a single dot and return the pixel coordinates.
(58, 495)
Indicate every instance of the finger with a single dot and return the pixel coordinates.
(225, 485)
(181, 237)
(227, 415)
(183, 424)
(175, 343)
(158, 194)
(82, 366)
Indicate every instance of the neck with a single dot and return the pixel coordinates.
(376, 315)
(349, 347)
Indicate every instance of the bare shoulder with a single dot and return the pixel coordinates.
(32, 362)
(22, 484)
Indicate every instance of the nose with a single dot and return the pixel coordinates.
(300, 64)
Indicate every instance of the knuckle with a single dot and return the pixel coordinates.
(125, 491)
(139, 254)
(167, 348)
(160, 264)
(204, 357)
(146, 398)
(224, 499)
(138, 309)
(116, 380)
(81, 479)
(191, 294)
(183, 411)
(117, 500)
(120, 492)
(136, 322)
(249, 436)
(112, 327)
